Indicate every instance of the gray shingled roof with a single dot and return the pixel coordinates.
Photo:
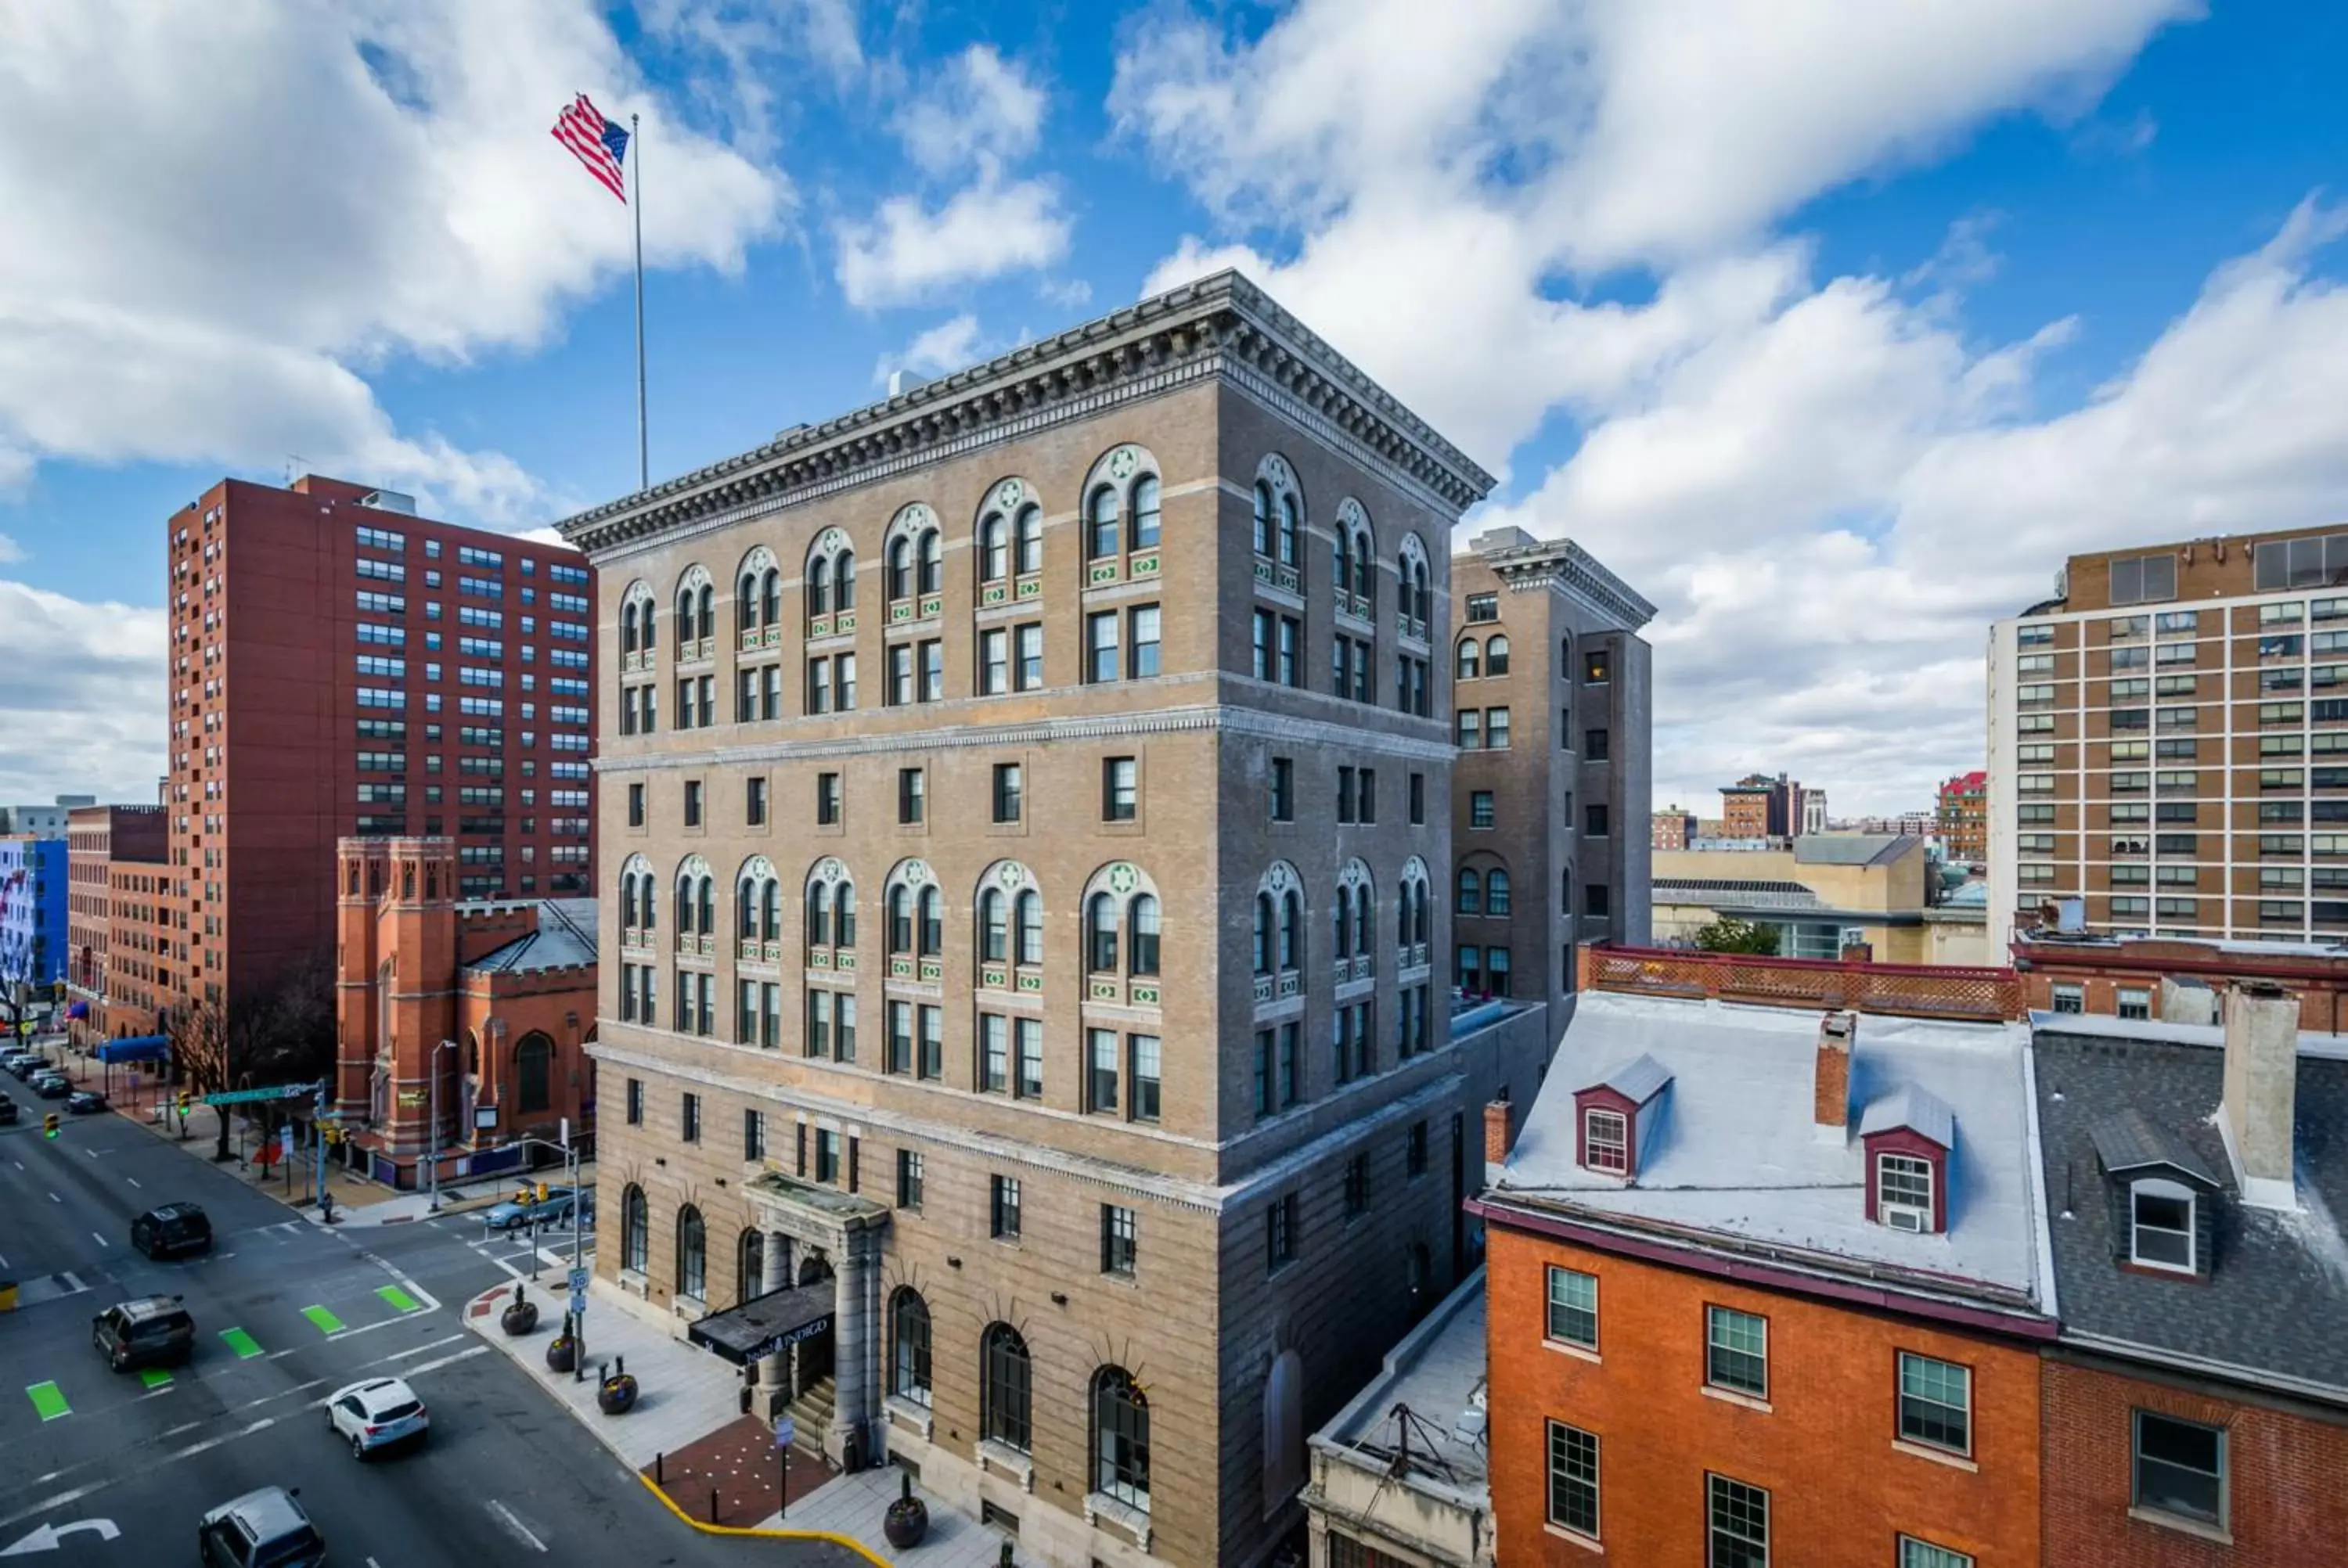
(1637, 1080)
(2128, 1140)
(2273, 1302)
(1852, 849)
(565, 939)
(1916, 1107)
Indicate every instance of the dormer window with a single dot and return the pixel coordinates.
(1907, 1136)
(1618, 1117)
(1606, 1142)
(2161, 1224)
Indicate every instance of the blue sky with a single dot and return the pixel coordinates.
(1784, 310)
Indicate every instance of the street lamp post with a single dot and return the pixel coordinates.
(432, 1137)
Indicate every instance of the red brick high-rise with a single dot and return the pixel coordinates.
(340, 666)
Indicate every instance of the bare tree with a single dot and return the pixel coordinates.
(283, 1033)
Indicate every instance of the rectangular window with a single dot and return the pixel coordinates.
(1483, 607)
(1467, 729)
(1936, 1401)
(911, 797)
(1736, 1351)
(692, 803)
(1283, 789)
(1279, 1234)
(993, 1053)
(755, 802)
(827, 799)
(1496, 729)
(827, 1156)
(1915, 1553)
(1141, 642)
(2144, 579)
(1594, 823)
(933, 670)
(1605, 1139)
(635, 806)
(931, 1063)
(1101, 646)
(1573, 1307)
(2069, 998)
(1028, 642)
(2179, 1467)
(1573, 1479)
(1291, 668)
(1004, 1207)
(690, 1124)
(1736, 1519)
(1260, 644)
(901, 675)
(993, 662)
(1027, 1037)
(1009, 791)
(909, 1179)
(1100, 1070)
(1417, 800)
(1369, 799)
(635, 1102)
(1120, 1241)
(1594, 746)
(1480, 808)
(901, 1037)
(1120, 789)
(1597, 667)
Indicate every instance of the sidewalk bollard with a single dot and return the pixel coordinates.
(712, 1505)
(657, 1478)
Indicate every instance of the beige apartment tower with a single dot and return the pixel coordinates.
(2168, 744)
(1028, 802)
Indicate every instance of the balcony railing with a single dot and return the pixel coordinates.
(1985, 994)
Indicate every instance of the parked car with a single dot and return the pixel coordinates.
(52, 1085)
(262, 1529)
(171, 1230)
(555, 1209)
(84, 1101)
(7, 1111)
(24, 1063)
(150, 1331)
(376, 1414)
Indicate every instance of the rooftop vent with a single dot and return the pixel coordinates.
(390, 501)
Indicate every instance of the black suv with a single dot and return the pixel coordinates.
(7, 1111)
(152, 1331)
(173, 1231)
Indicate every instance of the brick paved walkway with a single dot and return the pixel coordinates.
(739, 1461)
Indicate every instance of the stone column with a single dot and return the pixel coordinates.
(774, 1386)
(854, 1273)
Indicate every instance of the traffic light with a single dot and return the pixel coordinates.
(49, 1126)
(185, 1099)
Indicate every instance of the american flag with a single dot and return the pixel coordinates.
(595, 141)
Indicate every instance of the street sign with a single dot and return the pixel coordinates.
(578, 1282)
(578, 1304)
(278, 1091)
(787, 1431)
(411, 1097)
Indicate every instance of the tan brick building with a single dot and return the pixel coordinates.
(1550, 712)
(118, 963)
(1027, 802)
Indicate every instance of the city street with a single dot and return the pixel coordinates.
(99, 1467)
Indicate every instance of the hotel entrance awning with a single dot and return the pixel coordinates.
(770, 1324)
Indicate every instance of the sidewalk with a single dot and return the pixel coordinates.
(688, 1419)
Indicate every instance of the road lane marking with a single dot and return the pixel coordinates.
(244, 1343)
(48, 1401)
(520, 1531)
(324, 1321)
(101, 1240)
(428, 1345)
(173, 1432)
(55, 1199)
(423, 1367)
(400, 1300)
(155, 1377)
(134, 1181)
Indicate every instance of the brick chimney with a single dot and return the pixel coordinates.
(1497, 1138)
(1830, 1078)
(2262, 1091)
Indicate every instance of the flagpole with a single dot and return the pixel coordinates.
(636, 202)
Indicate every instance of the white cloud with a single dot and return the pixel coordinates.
(977, 117)
(948, 346)
(10, 550)
(1802, 472)
(907, 253)
(82, 685)
(218, 271)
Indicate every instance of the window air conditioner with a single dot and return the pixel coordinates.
(1906, 1218)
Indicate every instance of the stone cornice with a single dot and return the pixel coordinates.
(1220, 326)
(1565, 566)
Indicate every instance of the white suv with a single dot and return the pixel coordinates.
(376, 1414)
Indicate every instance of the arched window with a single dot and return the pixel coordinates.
(1340, 923)
(993, 548)
(900, 569)
(746, 908)
(1283, 1428)
(843, 914)
(1496, 656)
(934, 922)
(819, 586)
(843, 581)
(1495, 892)
(1144, 512)
(707, 604)
(533, 1073)
(628, 628)
(1004, 1386)
(749, 1265)
(1030, 531)
(908, 1346)
(1120, 1438)
(1263, 920)
(1030, 909)
(1471, 891)
(770, 596)
(1418, 912)
(818, 915)
(1142, 934)
(1101, 524)
(1291, 932)
(932, 568)
(635, 1229)
(1341, 562)
(1471, 658)
(1291, 523)
(686, 626)
(900, 920)
(1366, 920)
(745, 602)
(705, 899)
(1365, 577)
(770, 910)
(692, 1254)
(685, 902)
(1100, 933)
(1263, 519)
(994, 927)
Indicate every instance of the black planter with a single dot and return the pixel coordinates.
(561, 1354)
(616, 1395)
(520, 1317)
(906, 1520)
